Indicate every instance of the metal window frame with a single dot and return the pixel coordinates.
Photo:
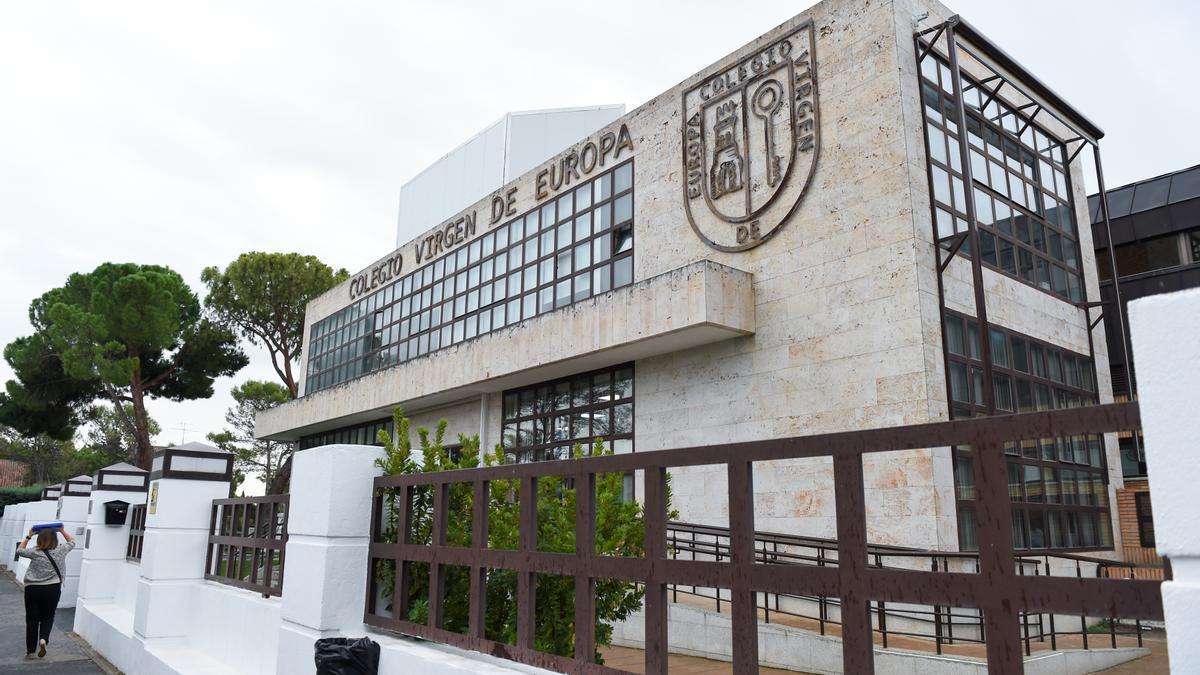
(355, 326)
(533, 449)
(958, 35)
(1144, 517)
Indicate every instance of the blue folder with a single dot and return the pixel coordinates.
(44, 526)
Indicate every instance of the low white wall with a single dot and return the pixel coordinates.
(405, 656)
(234, 626)
(44, 511)
(13, 518)
(159, 618)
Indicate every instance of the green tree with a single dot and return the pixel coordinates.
(84, 461)
(49, 460)
(263, 297)
(258, 457)
(124, 332)
(43, 399)
(112, 435)
(620, 531)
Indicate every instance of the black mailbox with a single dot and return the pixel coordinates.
(115, 511)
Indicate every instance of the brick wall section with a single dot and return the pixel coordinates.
(1127, 510)
(12, 474)
(1127, 513)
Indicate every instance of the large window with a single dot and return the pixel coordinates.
(358, 434)
(1022, 191)
(365, 434)
(1058, 485)
(567, 250)
(545, 421)
(1148, 255)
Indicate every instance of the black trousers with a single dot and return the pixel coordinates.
(40, 603)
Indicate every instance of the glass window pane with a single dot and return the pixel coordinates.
(583, 286)
(602, 248)
(955, 342)
(623, 209)
(601, 281)
(623, 178)
(623, 272)
(583, 226)
(622, 418)
(999, 347)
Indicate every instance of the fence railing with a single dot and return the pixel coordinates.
(137, 533)
(933, 627)
(247, 537)
(997, 589)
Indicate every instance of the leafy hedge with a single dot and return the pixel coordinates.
(16, 495)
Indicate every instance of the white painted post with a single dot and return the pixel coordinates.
(182, 489)
(43, 511)
(329, 522)
(73, 512)
(14, 517)
(1166, 352)
(106, 544)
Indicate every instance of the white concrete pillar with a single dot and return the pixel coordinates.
(14, 518)
(44, 511)
(329, 522)
(73, 512)
(184, 481)
(1165, 333)
(105, 544)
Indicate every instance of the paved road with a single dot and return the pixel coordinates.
(64, 655)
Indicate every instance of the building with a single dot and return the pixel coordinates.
(781, 245)
(12, 473)
(512, 145)
(1156, 246)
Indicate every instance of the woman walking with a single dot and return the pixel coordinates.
(43, 584)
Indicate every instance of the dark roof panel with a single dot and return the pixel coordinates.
(1151, 195)
(1094, 209)
(1120, 202)
(1185, 185)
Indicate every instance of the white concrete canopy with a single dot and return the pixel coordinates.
(698, 304)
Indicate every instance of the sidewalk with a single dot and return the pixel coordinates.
(63, 655)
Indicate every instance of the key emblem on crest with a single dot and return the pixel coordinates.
(750, 143)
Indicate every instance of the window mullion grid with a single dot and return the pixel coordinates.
(340, 366)
(1038, 184)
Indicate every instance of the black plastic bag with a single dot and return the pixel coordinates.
(347, 656)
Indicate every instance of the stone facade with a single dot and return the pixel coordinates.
(832, 323)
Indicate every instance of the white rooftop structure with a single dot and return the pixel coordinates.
(512, 145)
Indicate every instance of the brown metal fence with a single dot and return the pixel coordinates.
(246, 541)
(137, 533)
(997, 590)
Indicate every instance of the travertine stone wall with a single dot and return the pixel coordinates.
(842, 328)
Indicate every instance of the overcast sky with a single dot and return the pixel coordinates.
(184, 134)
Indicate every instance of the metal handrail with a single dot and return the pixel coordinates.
(682, 538)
